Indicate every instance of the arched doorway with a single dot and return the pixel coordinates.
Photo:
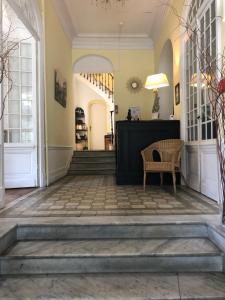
(93, 64)
(166, 94)
(93, 88)
(97, 124)
(23, 136)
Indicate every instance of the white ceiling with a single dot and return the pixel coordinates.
(86, 23)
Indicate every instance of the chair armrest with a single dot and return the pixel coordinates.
(147, 153)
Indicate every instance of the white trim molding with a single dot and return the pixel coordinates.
(59, 158)
(97, 41)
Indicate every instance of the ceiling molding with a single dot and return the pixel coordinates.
(112, 42)
(64, 17)
(112, 35)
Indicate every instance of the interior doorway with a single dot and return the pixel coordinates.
(24, 151)
(98, 125)
(202, 171)
(166, 94)
(94, 97)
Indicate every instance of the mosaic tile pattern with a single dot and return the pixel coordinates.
(100, 196)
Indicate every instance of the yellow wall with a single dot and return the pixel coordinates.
(127, 64)
(58, 53)
(171, 30)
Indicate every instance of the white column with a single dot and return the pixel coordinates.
(2, 188)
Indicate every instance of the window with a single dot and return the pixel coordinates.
(18, 117)
(201, 44)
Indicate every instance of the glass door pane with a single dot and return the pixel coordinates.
(18, 119)
(200, 125)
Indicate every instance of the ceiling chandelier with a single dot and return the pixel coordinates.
(110, 3)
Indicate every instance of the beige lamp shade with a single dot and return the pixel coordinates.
(156, 81)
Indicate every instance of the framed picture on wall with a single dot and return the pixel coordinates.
(60, 89)
(177, 94)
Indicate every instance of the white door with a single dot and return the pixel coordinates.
(201, 162)
(20, 153)
(98, 125)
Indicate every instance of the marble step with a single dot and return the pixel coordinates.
(154, 286)
(95, 159)
(99, 153)
(110, 231)
(112, 255)
(92, 172)
(88, 165)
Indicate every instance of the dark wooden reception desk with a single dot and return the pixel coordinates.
(131, 138)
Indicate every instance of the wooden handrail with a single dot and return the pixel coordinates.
(104, 81)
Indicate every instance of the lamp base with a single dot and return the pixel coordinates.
(155, 115)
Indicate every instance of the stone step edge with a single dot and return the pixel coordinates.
(91, 170)
(92, 163)
(94, 155)
(101, 256)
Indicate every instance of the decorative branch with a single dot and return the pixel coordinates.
(8, 45)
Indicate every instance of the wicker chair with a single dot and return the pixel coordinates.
(170, 155)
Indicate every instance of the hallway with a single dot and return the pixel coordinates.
(80, 196)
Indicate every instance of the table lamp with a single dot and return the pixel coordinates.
(155, 82)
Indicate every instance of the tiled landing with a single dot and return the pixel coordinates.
(80, 196)
(180, 286)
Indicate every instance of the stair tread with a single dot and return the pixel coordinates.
(114, 248)
(92, 169)
(92, 162)
(134, 286)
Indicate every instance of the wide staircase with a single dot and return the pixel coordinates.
(67, 249)
(93, 163)
(118, 255)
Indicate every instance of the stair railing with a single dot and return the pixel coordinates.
(104, 81)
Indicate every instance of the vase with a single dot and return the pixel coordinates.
(155, 115)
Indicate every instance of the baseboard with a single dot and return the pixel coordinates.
(2, 197)
(59, 158)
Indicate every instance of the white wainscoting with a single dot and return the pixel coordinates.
(59, 158)
(209, 171)
(202, 169)
(20, 166)
(192, 167)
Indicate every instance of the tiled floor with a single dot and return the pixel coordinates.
(99, 196)
(13, 194)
